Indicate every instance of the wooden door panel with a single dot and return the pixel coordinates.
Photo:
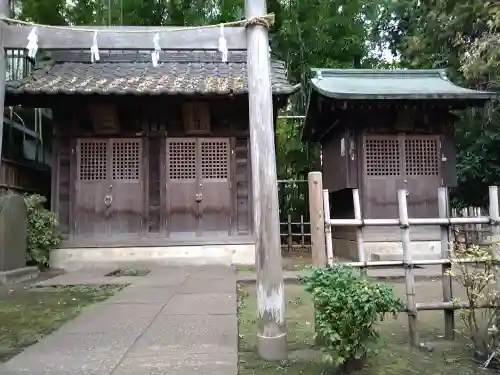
(394, 162)
(422, 175)
(215, 189)
(182, 187)
(383, 174)
(126, 187)
(91, 187)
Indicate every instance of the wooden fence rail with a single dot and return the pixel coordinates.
(405, 223)
(295, 235)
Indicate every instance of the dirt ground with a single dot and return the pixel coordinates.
(395, 357)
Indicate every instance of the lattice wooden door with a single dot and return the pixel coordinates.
(215, 206)
(198, 186)
(92, 184)
(422, 174)
(182, 187)
(382, 175)
(397, 162)
(126, 186)
(109, 193)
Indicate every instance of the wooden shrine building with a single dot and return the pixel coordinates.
(149, 156)
(381, 131)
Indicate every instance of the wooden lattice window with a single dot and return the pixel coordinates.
(126, 160)
(92, 163)
(421, 157)
(382, 157)
(196, 118)
(214, 160)
(182, 160)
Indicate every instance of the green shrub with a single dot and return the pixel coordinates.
(43, 230)
(347, 307)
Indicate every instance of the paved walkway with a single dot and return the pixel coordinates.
(174, 321)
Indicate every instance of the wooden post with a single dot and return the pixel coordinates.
(271, 335)
(317, 219)
(328, 228)
(495, 225)
(494, 213)
(449, 315)
(409, 276)
(5, 10)
(290, 237)
(302, 233)
(359, 230)
(495, 219)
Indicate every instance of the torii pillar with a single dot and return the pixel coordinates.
(271, 334)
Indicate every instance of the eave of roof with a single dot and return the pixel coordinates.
(179, 73)
(397, 84)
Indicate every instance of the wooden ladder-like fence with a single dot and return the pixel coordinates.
(321, 229)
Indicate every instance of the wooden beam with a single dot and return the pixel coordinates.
(317, 218)
(271, 334)
(49, 38)
(4, 9)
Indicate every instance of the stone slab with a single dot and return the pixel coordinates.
(169, 276)
(207, 303)
(105, 311)
(199, 285)
(80, 277)
(117, 326)
(52, 366)
(201, 364)
(19, 275)
(211, 272)
(188, 334)
(69, 349)
(139, 294)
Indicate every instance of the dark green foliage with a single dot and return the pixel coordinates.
(347, 307)
(463, 37)
(43, 232)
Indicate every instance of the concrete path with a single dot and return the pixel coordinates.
(174, 321)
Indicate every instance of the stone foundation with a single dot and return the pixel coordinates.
(386, 251)
(19, 275)
(104, 257)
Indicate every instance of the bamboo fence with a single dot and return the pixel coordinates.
(445, 221)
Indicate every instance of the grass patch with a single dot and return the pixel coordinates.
(28, 315)
(127, 272)
(395, 357)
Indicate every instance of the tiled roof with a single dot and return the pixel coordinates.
(125, 73)
(390, 84)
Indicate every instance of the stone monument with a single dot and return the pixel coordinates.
(13, 237)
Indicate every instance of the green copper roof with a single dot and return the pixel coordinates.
(390, 84)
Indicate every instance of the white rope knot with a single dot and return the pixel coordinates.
(223, 44)
(32, 46)
(94, 50)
